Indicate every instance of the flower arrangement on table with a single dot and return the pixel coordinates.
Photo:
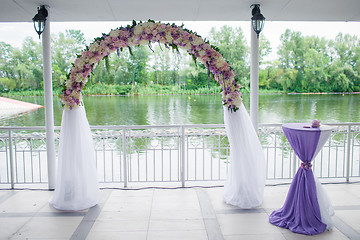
(315, 123)
(143, 34)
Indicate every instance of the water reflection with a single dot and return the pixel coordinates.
(158, 110)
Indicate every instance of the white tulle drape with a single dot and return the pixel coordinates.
(76, 185)
(326, 208)
(246, 178)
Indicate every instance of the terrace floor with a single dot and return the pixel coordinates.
(185, 213)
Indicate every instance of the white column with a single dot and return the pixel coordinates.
(254, 79)
(48, 98)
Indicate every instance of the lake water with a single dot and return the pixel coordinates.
(197, 109)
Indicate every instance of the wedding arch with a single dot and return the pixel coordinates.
(76, 185)
(144, 34)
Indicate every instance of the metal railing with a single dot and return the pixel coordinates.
(176, 153)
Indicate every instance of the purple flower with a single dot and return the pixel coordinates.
(175, 35)
(227, 91)
(226, 75)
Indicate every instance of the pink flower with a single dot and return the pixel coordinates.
(315, 123)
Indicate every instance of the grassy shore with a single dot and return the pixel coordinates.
(144, 90)
(129, 90)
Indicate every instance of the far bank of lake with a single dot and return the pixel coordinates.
(197, 109)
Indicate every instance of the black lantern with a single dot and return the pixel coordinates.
(257, 20)
(40, 19)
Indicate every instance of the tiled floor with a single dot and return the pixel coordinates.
(186, 214)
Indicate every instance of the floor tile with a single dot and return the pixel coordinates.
(126, 214)
(49, 227)
(144, 193)
(9, 226)
(127, 204)
(176, 225)
(274, 197)
(327, 235)
(121, 225)
(176, 214)
(215, 195)
(342, 197)
(350, 217)
(34, 201)
(178, 235)
(114, 235)
(246, 223)
(277, 236)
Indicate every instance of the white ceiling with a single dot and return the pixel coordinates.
(181, 10)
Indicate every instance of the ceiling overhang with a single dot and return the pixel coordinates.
(185, 10)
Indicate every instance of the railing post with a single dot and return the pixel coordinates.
(182, 154)
(348, 153)
(294, 164)
(124, 157)
(12, 182)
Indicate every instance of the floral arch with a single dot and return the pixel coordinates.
(143, 34)
(76, 186)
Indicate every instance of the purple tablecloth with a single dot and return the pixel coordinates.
(301, 212)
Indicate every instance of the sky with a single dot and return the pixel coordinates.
(15, 33)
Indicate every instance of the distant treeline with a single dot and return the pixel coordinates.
(305, 64)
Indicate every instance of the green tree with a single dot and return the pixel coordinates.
(138, 65)
(316, 63)
(161, 64)
(28, 65)
(65, 48)
(264, 49)
(6, 60)
(347, 49)
(233, 47)
(346, 56)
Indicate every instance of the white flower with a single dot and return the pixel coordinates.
(198, 41)
(80, 63)
(138, 29)
(168, 37)
(219, 64)
(92, 60)
(131, 42)
(188, 46)
(94, 47)
(114, 33)
(148, 25)
(237, 101)
(68, 84)
(162, 40)
(202, 53)
(78, 78)
(143, 42)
